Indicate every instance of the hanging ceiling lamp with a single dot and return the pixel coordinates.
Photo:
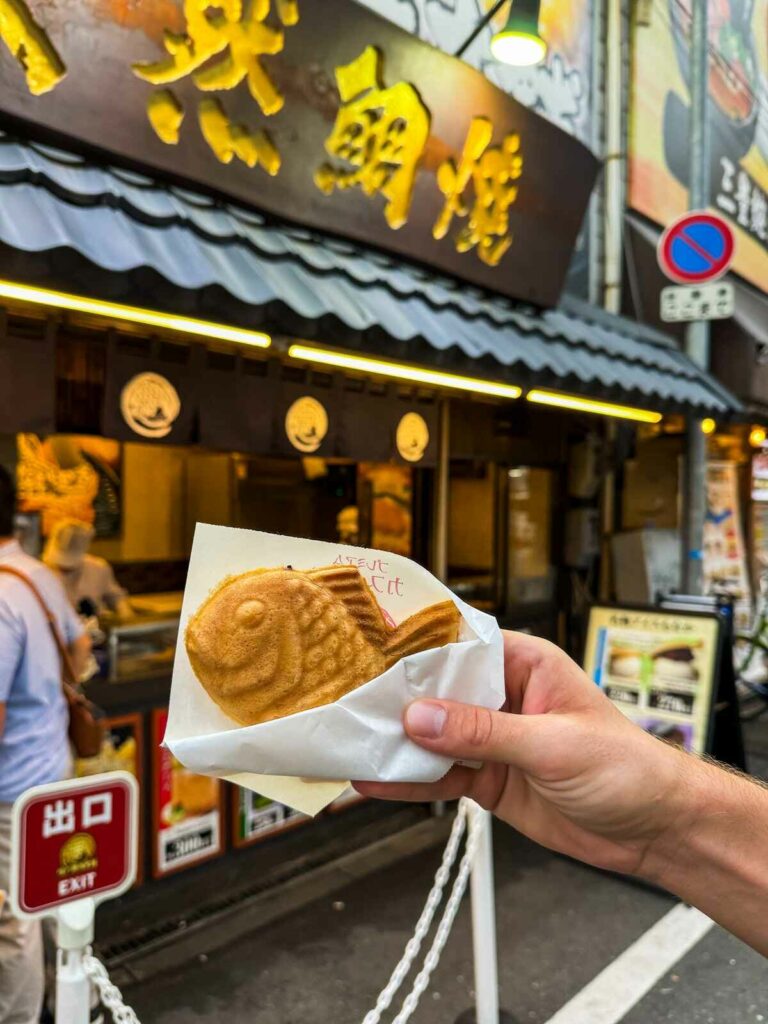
(519, 42)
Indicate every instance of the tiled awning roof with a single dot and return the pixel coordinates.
(307, 284)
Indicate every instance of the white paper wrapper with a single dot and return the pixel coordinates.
(305, 760)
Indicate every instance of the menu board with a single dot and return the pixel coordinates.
(186, 809)
(254, 817)
(658, 668)
(121, 750)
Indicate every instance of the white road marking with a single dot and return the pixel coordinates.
(624, 982)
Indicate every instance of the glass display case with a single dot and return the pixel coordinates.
(141, 648)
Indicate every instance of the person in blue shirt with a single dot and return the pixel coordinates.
(34, 743)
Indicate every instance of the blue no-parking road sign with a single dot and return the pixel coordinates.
(698, 247)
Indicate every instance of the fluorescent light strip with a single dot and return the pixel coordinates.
(132, 314)
(624, 412)
(402, 371)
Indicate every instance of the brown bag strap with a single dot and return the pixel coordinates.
(68, 674)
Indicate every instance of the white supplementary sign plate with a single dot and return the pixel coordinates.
(682, 303)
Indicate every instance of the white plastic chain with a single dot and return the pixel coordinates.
(465, 818)
(112, 998)
(109, 994)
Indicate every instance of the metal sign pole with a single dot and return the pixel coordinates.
(486, 1009)
(697, 335)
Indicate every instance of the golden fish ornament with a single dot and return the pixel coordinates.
(274, 642)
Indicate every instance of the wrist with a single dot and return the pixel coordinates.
(688, 800)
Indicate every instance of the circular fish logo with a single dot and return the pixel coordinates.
(306, 424)
(150, 405)
(412, 437)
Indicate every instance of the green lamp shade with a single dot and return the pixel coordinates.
(519, 42)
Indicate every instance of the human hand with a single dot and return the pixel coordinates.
(559, 762)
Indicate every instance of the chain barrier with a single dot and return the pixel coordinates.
(464, 820)
(112, 998)
(110, 994)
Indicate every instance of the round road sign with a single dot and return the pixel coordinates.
(696, 248)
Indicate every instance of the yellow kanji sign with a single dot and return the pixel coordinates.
(380, 133)
(235, 32)
(493, 172)
(31, 47)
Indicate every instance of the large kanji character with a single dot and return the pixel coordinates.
(238, 35)
(493, 172)
(380, 133)
(30, 45)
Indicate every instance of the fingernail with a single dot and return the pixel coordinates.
(426, 719)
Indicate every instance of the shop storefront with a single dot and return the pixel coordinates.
(340, 322)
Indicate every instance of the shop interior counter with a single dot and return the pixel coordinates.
(136, 659)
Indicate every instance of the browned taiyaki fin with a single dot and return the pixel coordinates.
(431, 627)
(347, 585)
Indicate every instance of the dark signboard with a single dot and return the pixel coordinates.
(323, 113)
(151, 391)
(27, 385)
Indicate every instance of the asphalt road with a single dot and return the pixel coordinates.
(560, 925)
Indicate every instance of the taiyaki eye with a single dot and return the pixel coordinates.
(250, 613)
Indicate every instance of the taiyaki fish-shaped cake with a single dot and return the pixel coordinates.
(274, 642)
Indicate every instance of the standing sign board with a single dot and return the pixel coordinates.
(660, 668)
(71, 840)
(696, 248)
(187, 809)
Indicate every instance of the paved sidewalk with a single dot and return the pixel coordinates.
(559, 925)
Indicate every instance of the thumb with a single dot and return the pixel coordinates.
(472, 733)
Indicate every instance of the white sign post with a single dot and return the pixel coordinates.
(73, 844)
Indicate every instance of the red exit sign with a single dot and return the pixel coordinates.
(74, 839)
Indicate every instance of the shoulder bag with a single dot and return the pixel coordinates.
(87, 726)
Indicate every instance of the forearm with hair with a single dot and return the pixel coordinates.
(714, 852)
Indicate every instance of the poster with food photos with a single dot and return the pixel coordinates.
(187, 809)
(255, 817)
(724, 565)
(658, 668)
(121, 750)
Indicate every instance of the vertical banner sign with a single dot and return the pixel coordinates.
(760, 476)
(658, 668)
(73, 839)
(187, 809)
(254, 817)
(660, 125)
(725, 568)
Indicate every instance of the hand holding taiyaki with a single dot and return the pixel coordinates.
(273, 642)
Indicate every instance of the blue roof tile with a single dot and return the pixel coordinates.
(121, 220)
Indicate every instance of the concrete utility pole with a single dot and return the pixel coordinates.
(697, 334)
